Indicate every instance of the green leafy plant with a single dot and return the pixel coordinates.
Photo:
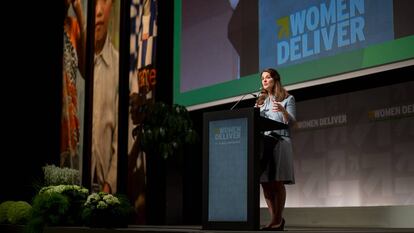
(59, 200)
(15, 212)
(4, 208)
(106, 210)
(57, 205)
(19, 212)
(166, 129)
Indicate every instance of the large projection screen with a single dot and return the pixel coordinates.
(220, 46)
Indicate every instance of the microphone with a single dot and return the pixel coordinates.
(253, 94)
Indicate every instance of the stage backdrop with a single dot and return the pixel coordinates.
(221, 46)
(355, 149)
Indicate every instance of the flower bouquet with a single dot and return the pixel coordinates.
(107, 211)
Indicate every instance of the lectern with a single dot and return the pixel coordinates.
(231, 168)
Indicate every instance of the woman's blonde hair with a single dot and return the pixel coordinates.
(278, 90)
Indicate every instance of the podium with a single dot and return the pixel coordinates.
(231, 168)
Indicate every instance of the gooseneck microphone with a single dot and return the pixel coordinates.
(253, 94)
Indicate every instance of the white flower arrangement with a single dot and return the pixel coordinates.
(101, 201)
(64, 188)
(105, 210)
(55, 175)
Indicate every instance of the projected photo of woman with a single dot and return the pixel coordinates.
(73, 75)
(276, 160)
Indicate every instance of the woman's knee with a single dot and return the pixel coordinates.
(279, 185)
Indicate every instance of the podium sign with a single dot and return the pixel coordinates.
(230, 168)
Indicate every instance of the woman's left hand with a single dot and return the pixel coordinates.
(278, 107)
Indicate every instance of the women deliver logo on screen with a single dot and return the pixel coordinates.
(316, 29)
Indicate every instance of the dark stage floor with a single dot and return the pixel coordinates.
(197, 229)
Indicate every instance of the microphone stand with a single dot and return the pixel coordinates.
(254, 95)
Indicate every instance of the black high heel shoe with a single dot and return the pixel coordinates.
(282, 225)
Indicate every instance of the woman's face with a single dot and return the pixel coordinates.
(267, 82)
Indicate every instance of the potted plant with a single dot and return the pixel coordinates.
(163, 132)
(14, 212)
(54, 175)
(165, 129)
(57, 205)
(106, 210)
(59, 201)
